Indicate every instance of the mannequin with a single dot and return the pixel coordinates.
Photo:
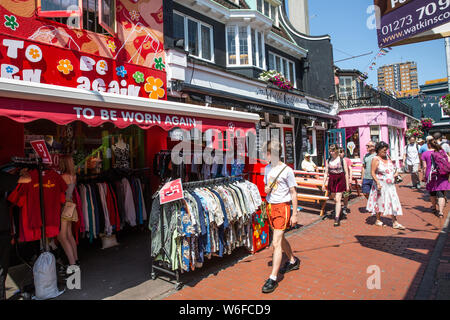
(122, 153)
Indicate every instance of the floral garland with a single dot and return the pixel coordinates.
(276, 78)
(445, 104)
(427, 123)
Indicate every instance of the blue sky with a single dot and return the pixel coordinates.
(346, 24)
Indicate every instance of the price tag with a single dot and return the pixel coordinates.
(40, 148)
(171, 191)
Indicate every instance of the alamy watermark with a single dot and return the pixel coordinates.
(374, 280)
(74, 280)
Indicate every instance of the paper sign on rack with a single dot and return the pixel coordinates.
(171, 191)
(40, 148)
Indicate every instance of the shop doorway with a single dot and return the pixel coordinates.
(334, 136)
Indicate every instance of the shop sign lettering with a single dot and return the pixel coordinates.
(282, 97)
(41, 63)
(134, 117)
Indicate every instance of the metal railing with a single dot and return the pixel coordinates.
(370, 97)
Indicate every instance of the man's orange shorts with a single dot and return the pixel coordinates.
(279, 215)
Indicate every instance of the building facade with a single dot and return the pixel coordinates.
(426, 105)
(370, 115)
(217, 49)
(401, 78)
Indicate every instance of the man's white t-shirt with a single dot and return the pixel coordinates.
(412, 155)
(280, 192)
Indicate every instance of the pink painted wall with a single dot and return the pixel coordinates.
(364, 118)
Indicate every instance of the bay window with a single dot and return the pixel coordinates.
(284, 66)
(268, 9)
(198, 36)
(245, 46)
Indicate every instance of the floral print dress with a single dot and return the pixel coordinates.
(385, 200)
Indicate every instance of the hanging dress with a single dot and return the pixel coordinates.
(385, 200)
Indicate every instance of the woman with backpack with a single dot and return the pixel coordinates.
(383, 198)
(437, 168)
(336, 174)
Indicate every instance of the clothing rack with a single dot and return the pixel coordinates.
(188, 185)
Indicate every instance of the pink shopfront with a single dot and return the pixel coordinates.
(373, 123)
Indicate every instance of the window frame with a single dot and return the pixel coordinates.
(283, 61)
(259, 55)
(103, 24)
(59, 14)
(199, 36)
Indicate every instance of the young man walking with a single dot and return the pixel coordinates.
(281, 191)
(411, 161)
(366, 171)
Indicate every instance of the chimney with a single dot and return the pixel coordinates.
(298, 15)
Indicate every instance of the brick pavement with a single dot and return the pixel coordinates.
(441, 287)
(334, 261)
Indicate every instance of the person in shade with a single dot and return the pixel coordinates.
(366, 171)
(336, 175)
(436, 185)
(8, 183)
(383, 198)
(281, 192)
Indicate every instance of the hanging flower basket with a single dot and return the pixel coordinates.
(273, 76)
(445, 104)
(414, 132)
(427, 123)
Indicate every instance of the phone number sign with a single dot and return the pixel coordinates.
(171, 191)
(411, 19)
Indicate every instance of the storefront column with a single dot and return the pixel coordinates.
(364, 137)
(384, 134)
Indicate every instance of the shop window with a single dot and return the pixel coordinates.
(375, 133)
(107, 15)
(198, 36)
(274, 118)
(287, 120)
(57, 8)
(284, 66)
(241, 42)
(312, 142)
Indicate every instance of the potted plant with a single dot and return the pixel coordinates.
(427, 123)
(445, 104)
(414, 132)
(276, 78)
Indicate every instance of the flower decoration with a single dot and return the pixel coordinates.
(134, 15)
(427, 123)
(154, 87)
(11, 22)
(9, 69)
(258, 244)
(276, 78)
(445, 104)
(414, 132)
(121, 72)
(65, 66)
(112, 45)
(138, 77)
(263, 237)
(34, 53)
(159, 64)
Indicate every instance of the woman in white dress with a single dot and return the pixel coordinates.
(383, 198)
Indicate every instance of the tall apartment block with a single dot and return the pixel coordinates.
(400, 77)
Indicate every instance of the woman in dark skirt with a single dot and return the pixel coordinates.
(336, 174)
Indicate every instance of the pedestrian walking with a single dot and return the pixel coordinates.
(437, 184)
(383, 198)
(281, 191)
(336, 175)
(445, 145)
(346, 194)
(411, 161)
(366, 171)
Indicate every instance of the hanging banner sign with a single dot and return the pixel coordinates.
(402, 20)
(171, 191)
(41, 63)
(41, 150)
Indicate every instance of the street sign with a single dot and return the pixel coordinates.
(171, 191)
(40, 148)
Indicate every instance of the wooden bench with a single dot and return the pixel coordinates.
(312, 185)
